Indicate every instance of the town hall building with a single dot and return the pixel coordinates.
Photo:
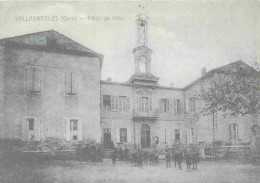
(51, 87)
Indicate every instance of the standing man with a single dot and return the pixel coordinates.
(168, 158)
(114, 156)
(93, 153)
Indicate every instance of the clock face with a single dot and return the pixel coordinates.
(143, 59)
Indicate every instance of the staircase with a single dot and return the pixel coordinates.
(108, 153)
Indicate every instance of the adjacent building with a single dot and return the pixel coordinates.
(50, 88)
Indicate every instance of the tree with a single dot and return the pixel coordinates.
(234, 90)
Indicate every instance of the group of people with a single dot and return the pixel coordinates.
(139, 157)
(92, 151)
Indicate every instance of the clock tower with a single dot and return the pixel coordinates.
(142, 54)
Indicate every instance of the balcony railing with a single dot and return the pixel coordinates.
(137, 114)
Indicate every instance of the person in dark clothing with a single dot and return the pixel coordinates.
(114, 156)
(168, 159)
(120, 153)
(126, 154)
(93, 153)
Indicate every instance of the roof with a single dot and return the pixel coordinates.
(224, 69)
(51, 41)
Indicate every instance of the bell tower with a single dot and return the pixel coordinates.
(142, 54)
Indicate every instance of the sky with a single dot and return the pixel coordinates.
(185, 36)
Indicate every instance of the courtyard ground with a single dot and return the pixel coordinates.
(105, 172)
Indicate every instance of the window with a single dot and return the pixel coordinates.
(33, 79)
(71, 83)
(75, 137)
(31, 123)
(165, 107)
(143, 104)
(235, 130)
(123, 135)
(31, 129)
(177, 134)
(142, 67)
(177, 106)
(115, 103)
(73, 125)
(122, 103)
(107, 102)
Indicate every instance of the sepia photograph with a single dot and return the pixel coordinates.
(130, 91)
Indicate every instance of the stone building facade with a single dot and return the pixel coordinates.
(50, 87)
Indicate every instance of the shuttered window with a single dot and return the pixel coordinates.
(31, 123)
(107, 102)
(178, 106)
(123, 135)
(144, 104)
(71, 83)
(33, 79)
(164, 105)
(116, 103)
(177, 134)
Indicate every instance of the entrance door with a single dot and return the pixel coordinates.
(145, 136)
(107, 137)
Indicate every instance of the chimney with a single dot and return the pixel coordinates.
(109, 79)
(203, 71)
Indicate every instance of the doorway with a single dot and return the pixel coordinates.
(107, 137)
(145, 136)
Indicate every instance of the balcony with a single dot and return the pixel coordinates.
(144, 115)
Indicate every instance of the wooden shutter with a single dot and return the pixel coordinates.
(187, 106)
(79, 130)
(37, 129)
(140, 104)
(161, 105)
(128, 135)
(67, 82)
(151, 104)
(67, 124)
(101, 102)
(181, 106)
(171, 105)
(167, 105)
(74, 83)
(37, 79)
(124, 104)
(112, 103)
(146, 105)
(128, 103)
(237, 131)
(116, 98)
(24, 129)
(29, 78)
(175, 106)
(117, 135)
(230, 132)
(137, 103)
